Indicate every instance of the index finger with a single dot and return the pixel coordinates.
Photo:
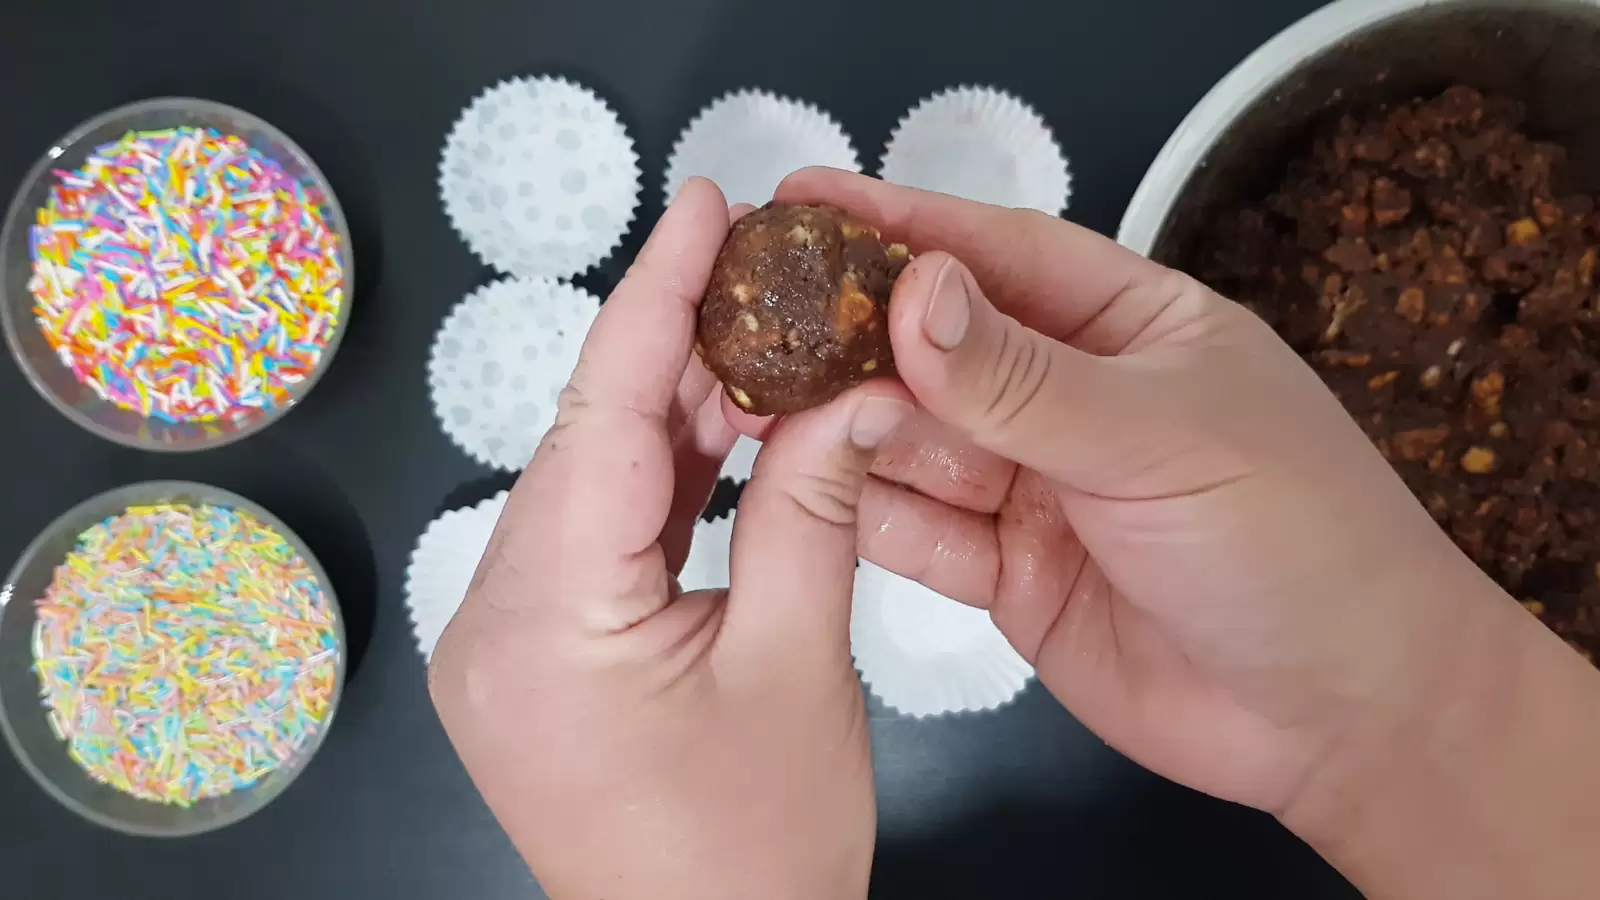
(1055, 277)
(585, 519)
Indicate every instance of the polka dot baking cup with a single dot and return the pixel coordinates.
(741, 462)
(708, 562)
(540, 177)
(924, 654)
(184, 275)
(185, 652)
(747, 141)
(442, 565)
(982, 144)
(499, 362)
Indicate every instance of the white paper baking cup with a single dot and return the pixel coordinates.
(924, 654)
(741, 461)
(709, 555)
(540, 177)
(747, 141)
(442, 566)
(499, 362)
(982, 144)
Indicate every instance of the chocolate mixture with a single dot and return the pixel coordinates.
(1425, 262)
(797, 308)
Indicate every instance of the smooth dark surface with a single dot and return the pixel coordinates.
(1020, 803)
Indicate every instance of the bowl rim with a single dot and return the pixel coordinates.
(17, 210)
(216, 496)
(1189, 145)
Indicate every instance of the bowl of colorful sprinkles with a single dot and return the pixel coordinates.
(171, 656)
(174, 274)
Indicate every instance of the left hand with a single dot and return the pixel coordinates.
(636, 742)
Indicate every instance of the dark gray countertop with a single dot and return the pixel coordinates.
(1024, 802)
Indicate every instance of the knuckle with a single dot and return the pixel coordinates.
(1031, 221)
(831, 497)
(572, 406)
(1013, 379)
(1172, 294)
(571, 401)
(1031, 234)
(1178, 289)
(436, 665)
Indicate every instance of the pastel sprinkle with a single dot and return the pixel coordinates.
(184, 652)
(183, 275)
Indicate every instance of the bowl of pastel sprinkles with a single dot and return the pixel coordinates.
(171, 656)
(175, 274)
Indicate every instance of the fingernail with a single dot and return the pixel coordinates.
(875, 420)
(950, 311)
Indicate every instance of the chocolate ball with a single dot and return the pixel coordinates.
(797, 308)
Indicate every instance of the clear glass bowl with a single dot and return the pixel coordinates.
(54, 381)
(23, 717)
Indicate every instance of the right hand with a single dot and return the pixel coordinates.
(1161, 506)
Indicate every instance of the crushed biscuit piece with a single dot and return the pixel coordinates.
(869, 365)
(749, 322)
(853, 229)
(1353, 218)
(1390, 203)
(1547, 212)
(743, 293)
(1478, 461)
(1378, 382)
(741, 398)
(1417, 443)
(1522, 232)
(1350, 254)
(1487, 391)
(1411, 305)
(855, 308)
(1344, 358)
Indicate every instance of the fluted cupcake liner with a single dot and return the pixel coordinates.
(540, 177)
(749, 140)
(983, 144)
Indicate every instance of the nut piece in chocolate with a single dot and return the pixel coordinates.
(797, 308)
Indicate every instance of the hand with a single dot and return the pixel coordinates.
(1163, 509)
(1170, 516)
(633, 742)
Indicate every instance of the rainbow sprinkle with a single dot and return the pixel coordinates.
(183, 275)
(184, 652)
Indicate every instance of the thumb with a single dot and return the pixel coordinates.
(1071, 415)
(794, 541)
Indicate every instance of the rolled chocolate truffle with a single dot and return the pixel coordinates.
(797, 308)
